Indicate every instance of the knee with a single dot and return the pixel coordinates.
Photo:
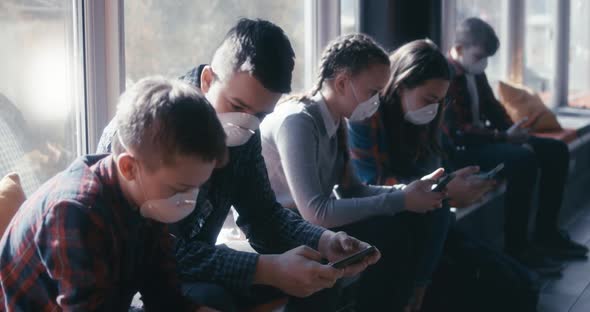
(560, 151)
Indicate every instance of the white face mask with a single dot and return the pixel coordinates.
(167, 210)
(472, 66)
(239, 127)
(365, 109)
(172, 209)
(423, 115)
(478, 67)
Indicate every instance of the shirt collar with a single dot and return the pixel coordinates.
(107, 170)
(330, 124)
(193, 76)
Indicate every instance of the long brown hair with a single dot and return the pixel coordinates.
(411, 66)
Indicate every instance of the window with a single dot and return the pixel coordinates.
(539, 46)
(349, 16)
(41, 95)
(171, 37)
(493, 12)
(579, 63)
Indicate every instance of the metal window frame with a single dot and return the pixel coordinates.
(76, 50)
(448, 24)
(322, 24)
(104, 55)
(515, 41)
(104, 64)
(561, 54)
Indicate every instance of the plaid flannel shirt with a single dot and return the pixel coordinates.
(458, 120)
(369, 153)
(77, 245)
(243, 183)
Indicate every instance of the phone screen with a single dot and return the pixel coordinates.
(494, 172)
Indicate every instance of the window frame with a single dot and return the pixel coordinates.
(515, 42)
(104, 57)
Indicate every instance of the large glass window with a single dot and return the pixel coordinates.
(348, 16)
(40, 89)
(579, 64)
(493, 12)
(170, 37)
(539, 46)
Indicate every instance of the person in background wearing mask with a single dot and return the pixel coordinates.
(479, 132)
(304, 146)
(400, 142)
(250, 71)
(95, 234)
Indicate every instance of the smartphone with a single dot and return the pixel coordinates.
(442, 183)
(492, 174)
(354, 258)
(518, 124)
(532, 124)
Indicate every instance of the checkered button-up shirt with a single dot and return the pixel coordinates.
(77, 244)
(459, 126)
(243, 184)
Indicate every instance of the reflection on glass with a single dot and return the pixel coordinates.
(183, 34)
(539, 46)
(579, 66)
(348, 16)
(38, 104)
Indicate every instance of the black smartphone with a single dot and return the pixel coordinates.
(492, 174)
(442, 183)
(354, 258)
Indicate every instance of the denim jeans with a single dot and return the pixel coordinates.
(411, 245)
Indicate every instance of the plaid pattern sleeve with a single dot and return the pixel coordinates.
(270, 228)
(45, 262)
(160, 290)
(200, 261)
(458, 124)
(492, 108)
(77, 245)
(368, 148)
(61, 241)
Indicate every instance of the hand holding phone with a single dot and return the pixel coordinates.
(492, 174)
(354, 258)
(442, 183)
(517, 125)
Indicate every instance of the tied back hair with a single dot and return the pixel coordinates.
(351, 53)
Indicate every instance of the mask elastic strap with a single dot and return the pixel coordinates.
(354, 93)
